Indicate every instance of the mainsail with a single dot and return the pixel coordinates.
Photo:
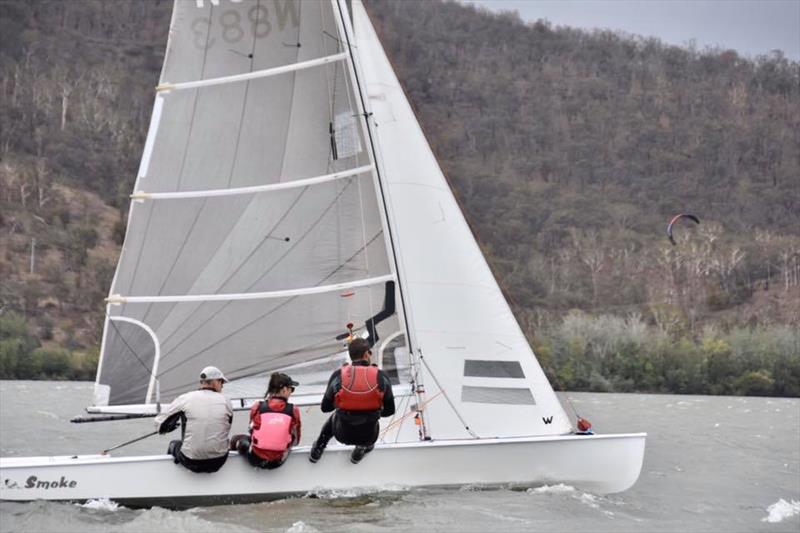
(255, 232)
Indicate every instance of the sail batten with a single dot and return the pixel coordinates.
(142, 195)
(118, 299)
(167, 87)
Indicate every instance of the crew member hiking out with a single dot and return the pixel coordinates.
(205, 416)
(274, 426)
(361, 394)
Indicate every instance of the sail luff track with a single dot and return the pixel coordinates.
(165, 87)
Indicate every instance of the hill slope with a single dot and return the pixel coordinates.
(568, 150)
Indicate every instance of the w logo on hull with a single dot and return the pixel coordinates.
(547, 419)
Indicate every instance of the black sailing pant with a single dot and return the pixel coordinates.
(241, 443)
(353, 434)
(195, 465)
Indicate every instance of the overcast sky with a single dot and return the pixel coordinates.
(751, 27)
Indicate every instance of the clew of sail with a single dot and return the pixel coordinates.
(479, 370)
(255, 232)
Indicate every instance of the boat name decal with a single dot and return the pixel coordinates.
(34, 482)
(547, 419)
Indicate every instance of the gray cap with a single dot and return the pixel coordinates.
(212, 372)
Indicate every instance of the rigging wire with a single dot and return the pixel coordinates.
(446, 397)
(420, 407)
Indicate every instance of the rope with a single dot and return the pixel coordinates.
(392, 420)
(400, 420)
(403, 407)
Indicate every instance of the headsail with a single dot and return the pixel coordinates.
(255, 232)
(482, 372)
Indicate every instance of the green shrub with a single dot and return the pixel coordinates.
(754, 383)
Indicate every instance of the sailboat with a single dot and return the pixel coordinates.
(287, 199)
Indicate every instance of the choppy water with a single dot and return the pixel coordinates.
(711, 464)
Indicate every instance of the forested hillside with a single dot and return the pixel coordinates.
(569, 152)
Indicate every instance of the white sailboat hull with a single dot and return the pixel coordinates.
(600, 464)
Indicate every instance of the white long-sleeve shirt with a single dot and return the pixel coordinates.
(208, 422)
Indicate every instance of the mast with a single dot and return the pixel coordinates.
(343, 21)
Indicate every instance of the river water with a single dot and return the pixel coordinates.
(711, 464)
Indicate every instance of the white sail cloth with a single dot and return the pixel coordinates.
(461, 322)
(254, 181)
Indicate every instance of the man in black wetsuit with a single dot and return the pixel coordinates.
(361, 394)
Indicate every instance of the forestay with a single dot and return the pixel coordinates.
(479, 369)
(255, 232)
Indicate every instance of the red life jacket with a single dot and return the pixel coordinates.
(275, 432)
(359, 390)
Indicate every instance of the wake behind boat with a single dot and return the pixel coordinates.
(287, 192)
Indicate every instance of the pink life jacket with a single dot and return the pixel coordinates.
(275, 432)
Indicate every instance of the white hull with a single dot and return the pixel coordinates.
(600, 464)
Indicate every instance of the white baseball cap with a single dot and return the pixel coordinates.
(212, 372)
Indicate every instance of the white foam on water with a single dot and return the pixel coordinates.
(474, 487)
(356, 492)
(593, 501)
(301, 527)
(716, 425)
(102, 504)
(551, 489)
(159, 519)
(48, 414)
(334, 494)
(781, 510)
(502, 517)
(590, 500)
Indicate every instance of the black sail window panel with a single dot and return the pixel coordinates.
(500, 395)
(492, 369)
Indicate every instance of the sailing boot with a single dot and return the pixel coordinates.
(173, 449)
(316, 451)
(359, 452)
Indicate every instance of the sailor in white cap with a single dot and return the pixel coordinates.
(205, 416)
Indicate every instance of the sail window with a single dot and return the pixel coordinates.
(506, 395)
(492, 369)
(345, 135)
(394, 358)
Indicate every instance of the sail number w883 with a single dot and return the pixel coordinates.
(257, 22)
